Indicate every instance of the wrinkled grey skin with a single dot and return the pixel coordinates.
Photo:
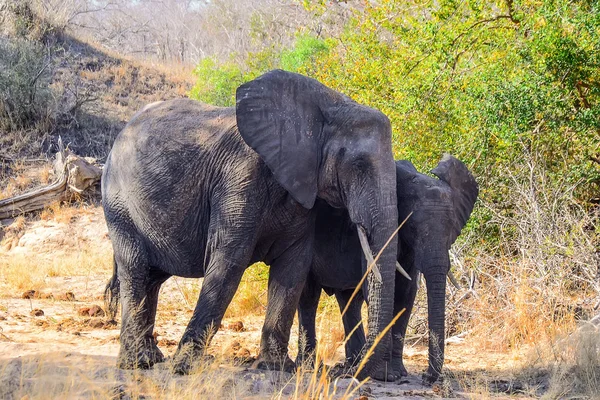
(441, 208)
(198, 191)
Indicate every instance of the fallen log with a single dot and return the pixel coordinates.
(74, 176)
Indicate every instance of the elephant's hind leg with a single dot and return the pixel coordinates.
(139, 296)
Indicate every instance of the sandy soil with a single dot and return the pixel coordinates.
(63, 351)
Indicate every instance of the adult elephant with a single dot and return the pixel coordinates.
(440, 208)
(198, 191)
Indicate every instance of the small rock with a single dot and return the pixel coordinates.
(96, 311)
(68, 296)
(164, 342)
(30, 294)
(93, 311)
(84, 311)
(96, 323)
(237, 326)
(36, 312)
(2, 318)
(110, 323)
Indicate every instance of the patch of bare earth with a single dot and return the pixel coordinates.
(56, 341)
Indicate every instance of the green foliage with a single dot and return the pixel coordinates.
(25, 97)
(304, 53)
(217, 82)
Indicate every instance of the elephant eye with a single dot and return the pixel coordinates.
(361, 164)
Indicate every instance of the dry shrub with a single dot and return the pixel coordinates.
(25, 100)
(62, 212)
(542, 276)
(10, 235)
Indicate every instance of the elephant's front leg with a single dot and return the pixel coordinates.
(353, 327)
(307, 314)
(286, 280)
(404, 299)
(220, 283)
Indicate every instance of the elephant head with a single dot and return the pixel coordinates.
(441, 208)
(319, 143)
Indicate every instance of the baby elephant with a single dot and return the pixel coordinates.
(440, 209)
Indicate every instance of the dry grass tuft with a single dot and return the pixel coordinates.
(574, 362)
(30, 271)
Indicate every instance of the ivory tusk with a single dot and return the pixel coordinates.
(402, 271)
(453, 280)
(364, 243)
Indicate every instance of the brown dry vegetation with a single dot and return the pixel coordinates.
(91, 92)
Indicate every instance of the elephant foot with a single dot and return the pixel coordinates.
(343, 370)
(286, 364)
(142, 356)
(188, 358)
(306, 360)
(386, 373)
(430, 377)
(399, 368)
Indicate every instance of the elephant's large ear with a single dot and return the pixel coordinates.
(464, 189)
(278, 115)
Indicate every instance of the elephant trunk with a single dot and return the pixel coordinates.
(436, 306)
(381, 291)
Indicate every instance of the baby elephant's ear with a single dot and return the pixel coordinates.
(464, 189)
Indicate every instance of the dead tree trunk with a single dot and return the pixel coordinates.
(74, 176)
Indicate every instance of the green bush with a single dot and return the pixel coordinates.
(217, 83)
(25, 98)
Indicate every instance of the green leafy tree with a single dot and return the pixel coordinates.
(217, 82)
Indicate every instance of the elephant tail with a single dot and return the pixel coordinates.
(111, 294)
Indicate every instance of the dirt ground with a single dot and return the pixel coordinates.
(55, 343)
